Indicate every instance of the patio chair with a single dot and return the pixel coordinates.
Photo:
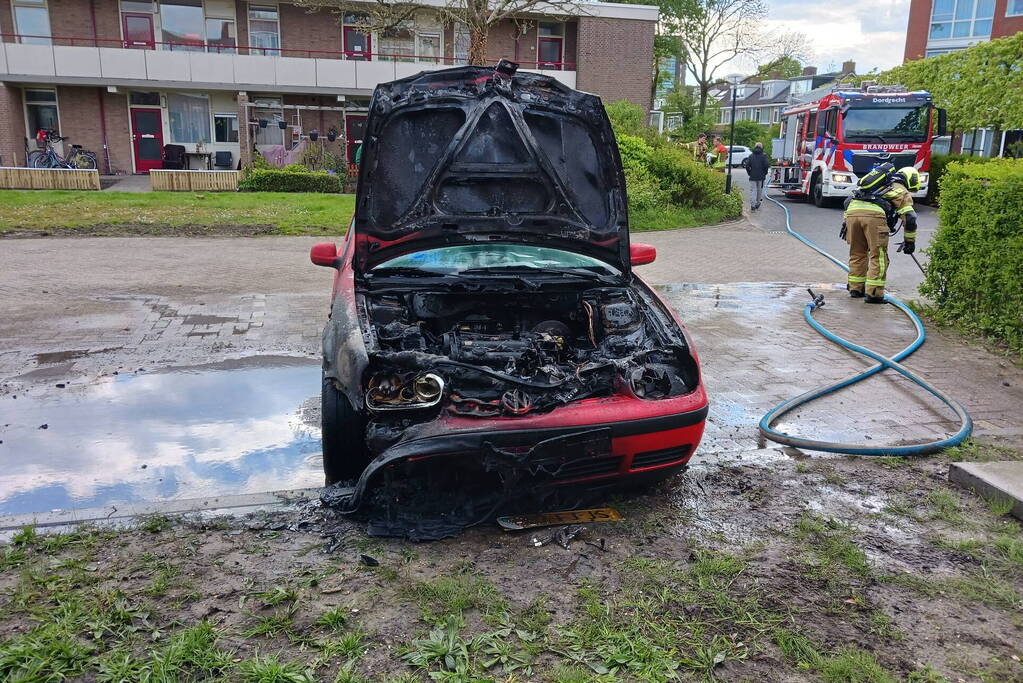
(223, 160)
(174, 157)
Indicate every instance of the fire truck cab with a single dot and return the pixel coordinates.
(826, 144)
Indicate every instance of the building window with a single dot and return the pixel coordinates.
(225, 128)
(144, 99)
(268, 110)
(264, 30)
(1014, 8)
(398, 44)
(550, 45)
(41, 111)
(189, 117)
(356, 41)
(32, 19)
(220, 36)
(462, 41)
(961, 19)
(182, 22)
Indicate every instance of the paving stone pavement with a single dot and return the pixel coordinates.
(75, 309)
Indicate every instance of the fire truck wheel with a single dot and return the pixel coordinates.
(817, 192)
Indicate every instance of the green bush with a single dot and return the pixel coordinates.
(296, 168)
(285, 180)
(626, 118)
(691, 184)
(939, 162)
(975, 275)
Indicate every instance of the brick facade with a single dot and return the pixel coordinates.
(74, 18)
(303, 30)
(79, 109)
(6, 20)
(12, 130)
(616, 59)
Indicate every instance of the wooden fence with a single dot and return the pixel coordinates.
(186, 181)
(12, 178)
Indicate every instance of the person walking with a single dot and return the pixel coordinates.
(757, 165)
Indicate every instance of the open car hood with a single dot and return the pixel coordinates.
(482, 153)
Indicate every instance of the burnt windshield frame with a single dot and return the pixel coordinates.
(890, 126)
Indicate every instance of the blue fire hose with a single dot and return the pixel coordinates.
(766, 422)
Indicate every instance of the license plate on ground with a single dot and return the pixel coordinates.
(518, 522)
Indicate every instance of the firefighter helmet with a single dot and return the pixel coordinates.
(877, 178)
(910, 177)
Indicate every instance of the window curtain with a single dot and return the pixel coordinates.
(189, 117)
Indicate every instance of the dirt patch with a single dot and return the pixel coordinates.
(782, 569)
(146, 230)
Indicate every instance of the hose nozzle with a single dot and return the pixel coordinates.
(818, 299)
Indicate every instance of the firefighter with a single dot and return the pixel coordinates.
(868, 216)
(699, 148)
(902, 198)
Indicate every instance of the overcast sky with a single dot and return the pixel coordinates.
(870, 32)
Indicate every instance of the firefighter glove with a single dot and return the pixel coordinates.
(908, 247)
(841, 233)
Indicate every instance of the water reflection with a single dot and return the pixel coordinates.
(159, 436)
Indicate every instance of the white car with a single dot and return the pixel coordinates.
(740, 154)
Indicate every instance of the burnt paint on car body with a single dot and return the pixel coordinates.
(528, 360)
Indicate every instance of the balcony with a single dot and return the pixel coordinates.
(295, 71)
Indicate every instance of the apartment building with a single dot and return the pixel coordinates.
(940, 26)
(126, 77)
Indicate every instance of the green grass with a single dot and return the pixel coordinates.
(975, 451)
(945, 507)
(452, 595)
(670, 218)
(830, 554)
(853, 665)
(289, 213)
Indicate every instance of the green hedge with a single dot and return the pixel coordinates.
(289, 179)
(663, 175)
(939, 162)
(975, 275)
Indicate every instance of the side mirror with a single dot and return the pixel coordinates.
(324, 254)
(642, 254)
(942, 122)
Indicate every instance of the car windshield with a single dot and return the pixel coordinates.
(497, 257)
(905, 124)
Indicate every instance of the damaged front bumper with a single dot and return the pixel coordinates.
(620, 441)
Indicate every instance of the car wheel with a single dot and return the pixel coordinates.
(343, 436)
(817, 191)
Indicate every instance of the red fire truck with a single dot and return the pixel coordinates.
(827, 143)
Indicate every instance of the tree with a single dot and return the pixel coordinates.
(711, 33)
(681, 101)
(979, 86)
(479, 16)
(788, 67)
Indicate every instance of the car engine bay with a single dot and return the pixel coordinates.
(510, 353)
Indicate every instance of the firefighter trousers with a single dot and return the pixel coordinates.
(868, 253)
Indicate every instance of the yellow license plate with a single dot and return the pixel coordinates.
(518, 522)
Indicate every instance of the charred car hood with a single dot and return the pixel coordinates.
(480, 154)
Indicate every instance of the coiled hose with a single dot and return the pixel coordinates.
(766, 422)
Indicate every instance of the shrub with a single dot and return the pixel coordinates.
(749, 132)
(939, 162)
(975, 275)
(296, 168)
(285, 180)
(689, 183)
(626, 118)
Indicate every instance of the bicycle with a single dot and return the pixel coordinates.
(49, 158)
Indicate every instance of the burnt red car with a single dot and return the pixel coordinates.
(486, 322)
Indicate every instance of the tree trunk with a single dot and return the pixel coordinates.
(703, 98)
(477, 46)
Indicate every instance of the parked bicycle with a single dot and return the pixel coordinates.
(50, 158)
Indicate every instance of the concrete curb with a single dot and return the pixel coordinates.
(992, 480)
(235, 504)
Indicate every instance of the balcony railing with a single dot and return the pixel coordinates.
(218, 47)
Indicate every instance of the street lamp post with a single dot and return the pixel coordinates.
(734, 80)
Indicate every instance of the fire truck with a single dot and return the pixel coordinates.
(827, 143)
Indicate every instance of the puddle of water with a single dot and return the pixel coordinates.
(160, 436)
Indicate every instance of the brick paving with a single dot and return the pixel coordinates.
(102, 305)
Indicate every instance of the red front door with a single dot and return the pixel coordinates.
(358, 44)
(138, 31)
(355, 128)
(147, 139)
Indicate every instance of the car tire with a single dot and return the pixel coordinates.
(343, 435)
